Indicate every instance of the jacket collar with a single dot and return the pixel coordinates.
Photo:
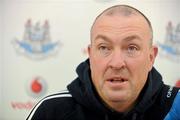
(84, 92)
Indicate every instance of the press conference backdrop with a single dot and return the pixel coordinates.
(42, 42)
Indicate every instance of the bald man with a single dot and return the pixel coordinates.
(118, 80)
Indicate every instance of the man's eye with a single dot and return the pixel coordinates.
(104, 50)
(132, 50)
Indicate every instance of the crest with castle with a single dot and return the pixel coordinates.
(37, 36)
(36, 40)
(172, 38)
(170, 48)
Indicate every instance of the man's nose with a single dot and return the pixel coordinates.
(117, 60)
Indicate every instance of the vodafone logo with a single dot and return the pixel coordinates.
(36, 87)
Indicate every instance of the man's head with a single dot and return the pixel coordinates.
(121, 55)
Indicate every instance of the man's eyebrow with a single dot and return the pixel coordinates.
(102, 37)
(129, 38)
(132, 37)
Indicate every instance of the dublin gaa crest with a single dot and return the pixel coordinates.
(171, 46)
(36, 42)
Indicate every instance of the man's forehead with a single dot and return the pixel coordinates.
(120, 22)
(135, 26)
(122, 17)
(123, 11)
(120, 10)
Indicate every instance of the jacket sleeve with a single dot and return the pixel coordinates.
(174, 113)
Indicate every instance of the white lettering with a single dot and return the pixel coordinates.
(169, 93)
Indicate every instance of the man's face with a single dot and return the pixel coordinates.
(120, 58)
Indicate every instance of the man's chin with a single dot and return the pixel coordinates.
(117, 97)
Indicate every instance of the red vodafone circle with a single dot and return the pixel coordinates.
(36, 86)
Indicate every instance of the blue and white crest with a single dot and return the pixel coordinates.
(171, 46)
(36, 42)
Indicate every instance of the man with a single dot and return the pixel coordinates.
(118, 81)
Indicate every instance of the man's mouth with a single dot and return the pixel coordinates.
(117, 80)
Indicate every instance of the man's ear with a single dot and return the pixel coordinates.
(89, 50)
(153, 54)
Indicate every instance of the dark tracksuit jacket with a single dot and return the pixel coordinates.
(81, 102)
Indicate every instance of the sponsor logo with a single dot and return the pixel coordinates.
(22, 105)
(37, 87)
(36, 42)
(170, 48)
(169, 93)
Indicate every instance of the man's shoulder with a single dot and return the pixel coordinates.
(167, 96)
(162, 102)
(62, 97)
(49, 105)
(173, 114)
(59, 101)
